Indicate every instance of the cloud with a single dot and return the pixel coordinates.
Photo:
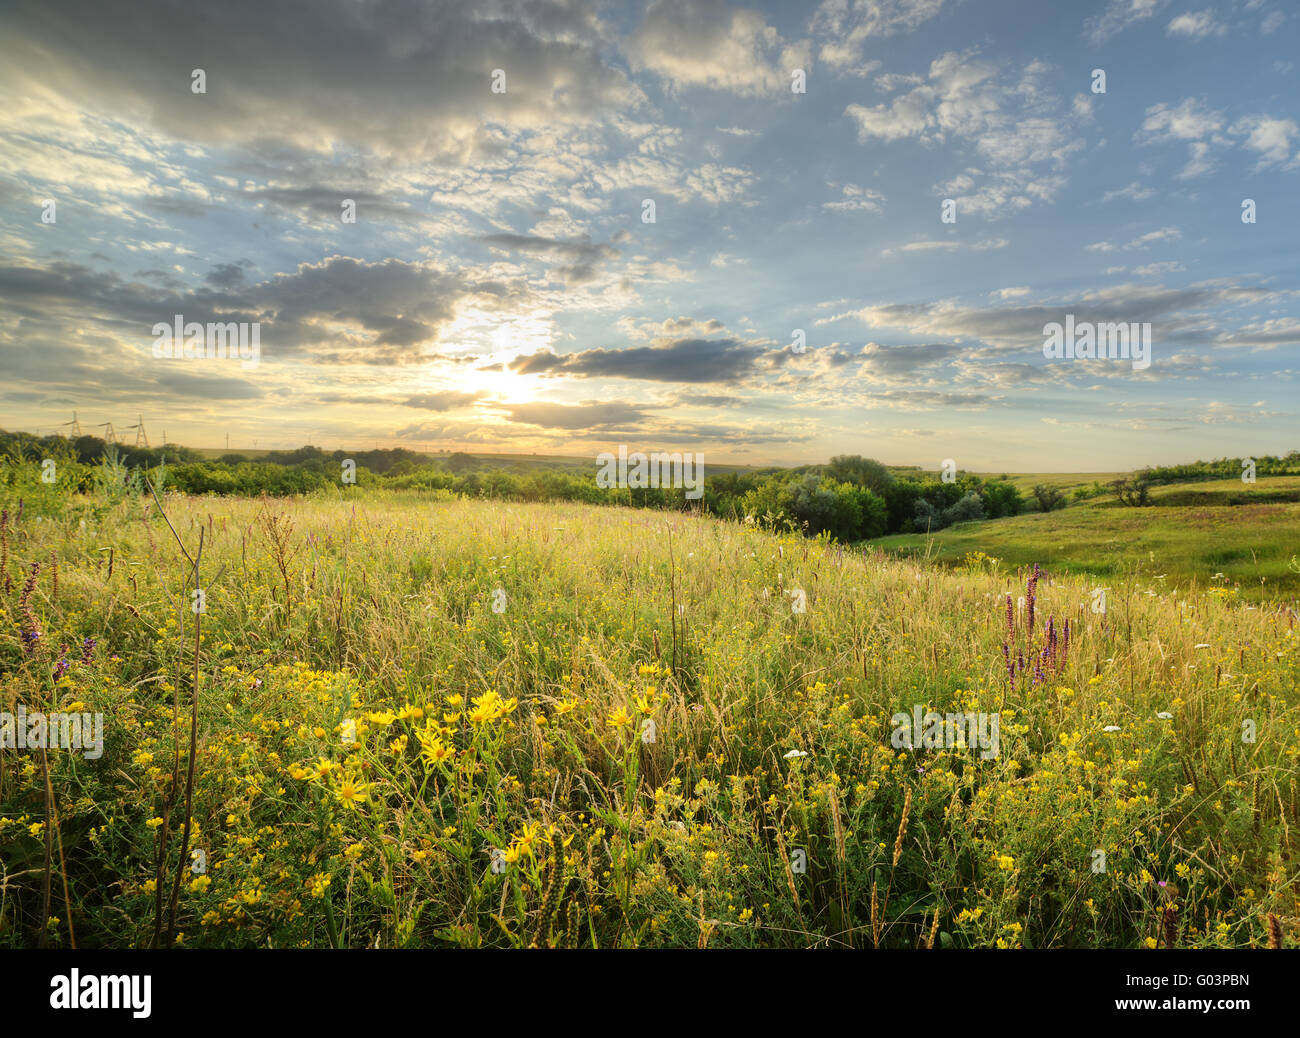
(682, 360)
(856, 199)
(845, 26)
(708, 43)
(447, 400)
(1182, 313)
(1021, 133)
(1204, 128)
(1118, 16)
(339, 310)
(1270, 138)
(580, 258)
(604, 417)
(1196, 25)
(388, 77)
(1143, 241)
(952, 245)
(1135, 192)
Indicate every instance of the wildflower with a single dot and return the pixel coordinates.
(351, 793)
(324, 767)
(490, 707)
(619, 718)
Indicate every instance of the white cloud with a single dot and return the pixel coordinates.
(844, 26)
(856, 199)
(954, 245)
(707, 43)
(1135, 192)
(1117, 17)
(1271, 138)
(1016, 126)
(1145, 241)
(1196, 25)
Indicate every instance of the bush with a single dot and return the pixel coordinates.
(1049, 498)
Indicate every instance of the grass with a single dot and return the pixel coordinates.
(383, 760)
(1195, 536)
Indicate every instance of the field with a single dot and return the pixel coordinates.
(1218, 534)
(409, 720)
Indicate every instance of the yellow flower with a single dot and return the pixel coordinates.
(351, 793)
(619, 719)
(1006, 863)
(354, 851)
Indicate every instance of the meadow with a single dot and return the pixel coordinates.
(1219, 535)
(407, 719)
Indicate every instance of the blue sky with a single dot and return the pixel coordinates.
(500, 290)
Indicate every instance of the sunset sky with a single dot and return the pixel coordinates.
(500, 291)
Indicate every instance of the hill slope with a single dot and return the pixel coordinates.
(504, 786)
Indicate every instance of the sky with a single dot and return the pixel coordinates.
(865, 214)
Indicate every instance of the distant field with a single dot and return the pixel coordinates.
(1191, 533)
(546, 461)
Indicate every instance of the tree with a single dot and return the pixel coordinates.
(1049, 498)
(865, 472)
(1134, 492)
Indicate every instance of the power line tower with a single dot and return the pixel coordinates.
(141, 437)
(76, 427)
(110, 436)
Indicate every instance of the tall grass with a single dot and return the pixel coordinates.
(382, 759)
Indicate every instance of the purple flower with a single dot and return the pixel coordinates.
(87, 650)
(1030, 597)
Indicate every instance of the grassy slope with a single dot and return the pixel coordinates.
(385, 604)
(1191, 534)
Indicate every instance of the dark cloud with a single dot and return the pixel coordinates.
(685, 360)
(444, 401)
(316, 310)
(603, 417)
(580, 258)
(388, 76)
